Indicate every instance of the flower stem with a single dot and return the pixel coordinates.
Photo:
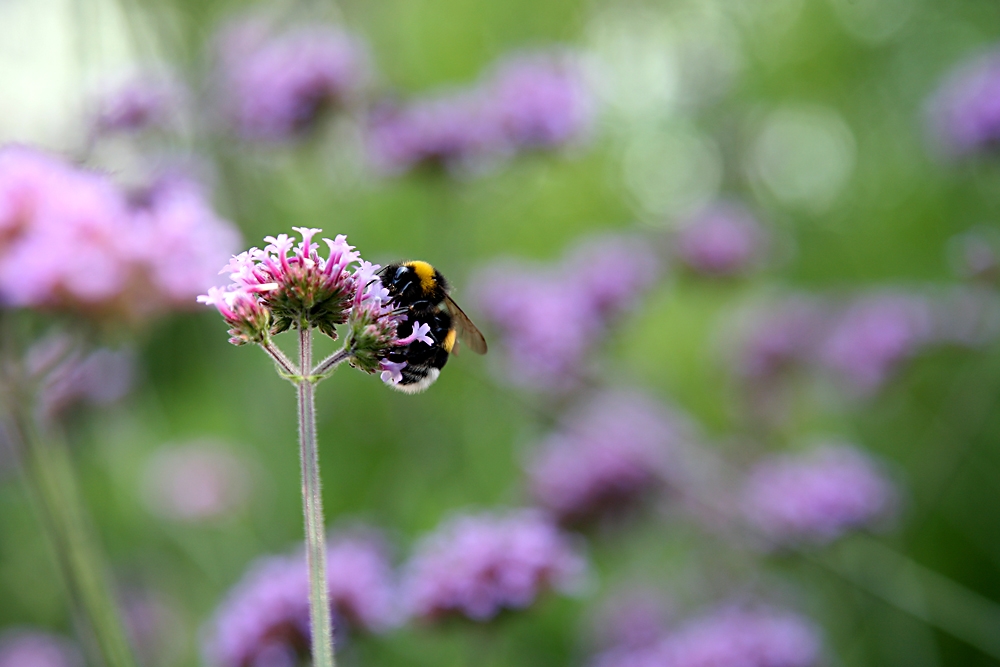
(49, 475)
(312, 505)
(325, 367)
(283, 362)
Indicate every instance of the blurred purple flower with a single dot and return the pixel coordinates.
(632, 619)
(776, 336)
(276, 85)
(21, 647)
(454, 131)
(102, 377)
(550, 318)
(729, 637)
(975, 254)
(197, 481)
(611, 452)
(264, 621)
(965, 110)
(137, 104)
(869, 339)
(69, 240)
(154, 627)
(816, 496)
(479, 565)
(361, 582)
(539, 100)
(722, 239)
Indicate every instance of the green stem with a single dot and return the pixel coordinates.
(49, 474)
(284, 363)
(327, 366)
(312, 505)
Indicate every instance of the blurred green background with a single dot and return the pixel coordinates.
(811, 111)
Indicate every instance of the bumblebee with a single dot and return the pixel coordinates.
(422, 291)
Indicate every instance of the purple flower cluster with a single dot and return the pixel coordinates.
(265, 618)
(137, 104)
(872, 336)
(276, 84)
(71, 240)
(965, 110)
(195, 481)
(32, 648)
(722, 239)
(728, 637)
(551, 318)
(860, 343)
(476, 566)
(612, 452)
(287, 284)
(816, 496)
(528, 102)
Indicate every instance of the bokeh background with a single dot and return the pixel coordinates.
(839, 127)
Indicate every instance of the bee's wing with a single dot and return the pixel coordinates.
(467, 331)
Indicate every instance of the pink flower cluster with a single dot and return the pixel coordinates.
(612, 452)
(265, 619)
(817, 496)
(728, 637)
(964, 112)
(71, 240)
(551, 318)
(722, 239)
(286, 284)
(862, 342)
(276, 84)
(34, 648)
(528, 102)
(476, 566)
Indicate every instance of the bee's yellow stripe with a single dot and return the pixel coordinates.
(425, 272)
(449, 341)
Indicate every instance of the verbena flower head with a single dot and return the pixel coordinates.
(265, 618)
(551, 317)
(277, 84)
(728, 637)
(70, 240)
(965, 110)
(610, 453)
(452, 130)
(632, 618)
(777, 336)
(869, 339)
(477, 565)
(360, 580)
(817, 496)
(722, 239)
(102, 377)
(287, 284)
(21, 647)
(539, 100)
(195, 481)
(138, 103)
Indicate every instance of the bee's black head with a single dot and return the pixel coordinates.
(412, 282)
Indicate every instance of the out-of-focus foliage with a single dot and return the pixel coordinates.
(815, 118)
